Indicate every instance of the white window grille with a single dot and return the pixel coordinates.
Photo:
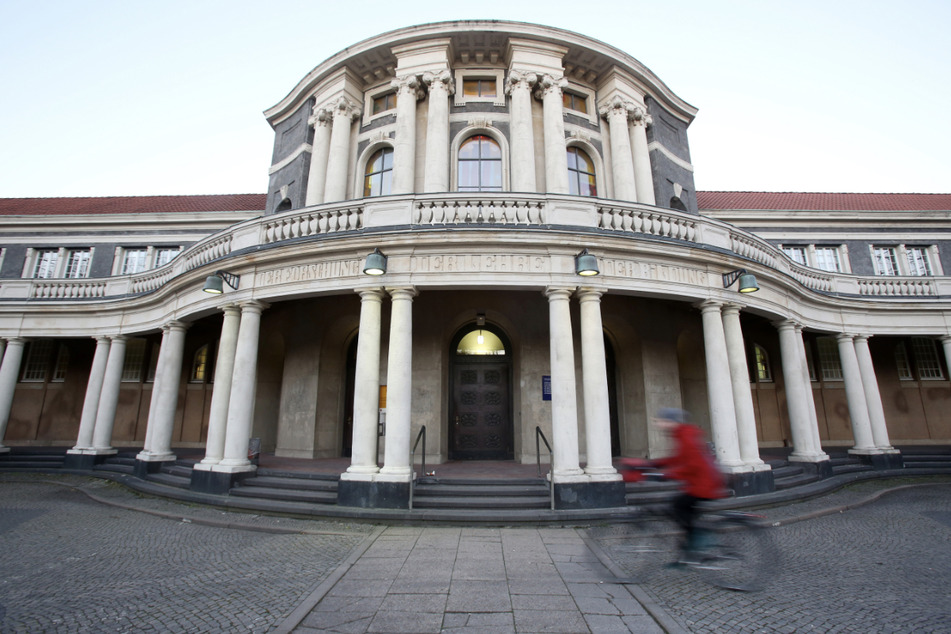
(165, 255)
(134, 360)
(797, 255)
(902, 363)
(926, 358)
(62, 364)
(763, 372)
(77, 263)
(918, 262)
(37, 361)
(46, 261)
(827, 259)
(134, 261)
(885, 260)
(829, 359)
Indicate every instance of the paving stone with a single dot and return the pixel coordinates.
(566, 621)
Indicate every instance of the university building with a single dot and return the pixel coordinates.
(488, 230)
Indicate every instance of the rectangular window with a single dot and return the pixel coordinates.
(902, 364)
(885, 260)
(134, 261)
(62, 364)
(926, 358)
(829, 359)
(134, 360)
(77, 263)
(37, 361)
(827, 259)
(165, 255)
(45, 266)
(479, 88)
(796, 254)
(918, 263)
(574, 101)
(382, 103)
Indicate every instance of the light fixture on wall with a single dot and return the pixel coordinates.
(375, 263)
(480, 322)
(747, 280)
(214, 283)
(586, 264)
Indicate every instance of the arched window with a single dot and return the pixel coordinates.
(480, 165)
(200, 365)
(581, 180)
(378, 176)
(285, 205)
(763, 372)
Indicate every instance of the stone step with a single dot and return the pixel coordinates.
(115, 467)
(798, 480)
(933, 463)
(852, 467)
(169, 480)
(287, 495)
(786, 471)
(501, 490)
(480, 502)
(297, 475)
(178, 470)
(303, 484)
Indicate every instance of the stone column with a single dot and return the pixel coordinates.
(564, 403)
(946, 346)
(740, 379)
(317, 179)
(366, 389)
(873, 398)
(810, 399)
(109, 399)
(87, 421)
(519, 86)
(556, 158)
(719, 388)
(338, 161)
(804, 449)
(399, 390)
(409, 90)
(855, 395)
(643, 179)
(243, 388)
(616, 111)
(436, 176)
(9, 370)
(165, 395)
(221, 395)
(595, 380)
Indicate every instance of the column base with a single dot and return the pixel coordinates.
(148, 456)
(83, 459)
(754, 482)
(880, 459)
(371, 494)
(143, 468)
(4, 449)
(217, 482)
(821, 467)
(589, 495)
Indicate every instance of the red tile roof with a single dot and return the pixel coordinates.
(823, 201)
(130, 204)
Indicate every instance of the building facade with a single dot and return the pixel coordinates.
(489, 230)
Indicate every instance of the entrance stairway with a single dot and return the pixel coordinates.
(509, 496)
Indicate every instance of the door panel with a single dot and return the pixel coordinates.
(480, 420)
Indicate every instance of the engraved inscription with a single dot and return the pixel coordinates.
(309, 272)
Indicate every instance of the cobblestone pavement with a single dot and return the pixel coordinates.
(71, 564)
(79, 554)
(880, 567)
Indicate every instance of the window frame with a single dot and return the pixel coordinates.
(480, 161)
(830, 365)
(70, 261)
(577, 90)
(836, 253)
(37, 261)
(384, 150)
(572, 173)
(893, 259)
(487, 74)
(761, 364)
(374, 93)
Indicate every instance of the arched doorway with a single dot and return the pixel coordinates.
(480, 399)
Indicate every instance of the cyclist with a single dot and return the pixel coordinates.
(692, 464)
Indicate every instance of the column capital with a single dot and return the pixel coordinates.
(861, 337)
(558, 292)
(709, 305)
(232, 309)
(617, 106)
(844, 336)
(253, 306)
(345, 108)
(175, 325)
(124, 337)
(370, 294)
(945, 339)
(521, 80)
(102, 339)
(639, 116)
(548, 84)
(402, 292)
(409, 85)
(590, 294)
(786, 324)
(17, 340)
(320, 117)
(730, 308)
(442, 79)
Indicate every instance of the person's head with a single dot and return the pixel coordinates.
(668, 418)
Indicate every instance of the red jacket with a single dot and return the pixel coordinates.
(693, 465)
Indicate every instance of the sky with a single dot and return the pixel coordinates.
(136, 97)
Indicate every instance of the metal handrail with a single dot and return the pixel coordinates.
(412, 464)
(538, 461)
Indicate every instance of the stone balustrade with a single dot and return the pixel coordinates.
(496, 210)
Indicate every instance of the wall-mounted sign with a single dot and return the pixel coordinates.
(546, 388)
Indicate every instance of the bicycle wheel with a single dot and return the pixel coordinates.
(652, 544)
(742, 554)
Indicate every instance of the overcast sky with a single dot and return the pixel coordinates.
(128, 97)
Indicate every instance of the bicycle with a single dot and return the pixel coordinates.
(738, 552)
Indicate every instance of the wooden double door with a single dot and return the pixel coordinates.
(480, 416)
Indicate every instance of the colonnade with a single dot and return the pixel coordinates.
(627, 122)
